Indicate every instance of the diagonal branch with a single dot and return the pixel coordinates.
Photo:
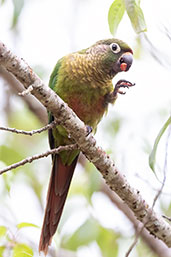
(156, 225)
(157, 246)
(141, 228)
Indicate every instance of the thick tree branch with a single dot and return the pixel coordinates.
(141, 228)
(77, 130)
(157, 246)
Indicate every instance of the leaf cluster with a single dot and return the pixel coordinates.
(134, 12)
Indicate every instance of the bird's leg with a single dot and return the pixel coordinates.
(110, 98)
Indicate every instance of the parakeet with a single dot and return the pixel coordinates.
(83, 80)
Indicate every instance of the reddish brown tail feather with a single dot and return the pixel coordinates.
(58, 189)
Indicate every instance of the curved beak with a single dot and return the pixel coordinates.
(124, 62)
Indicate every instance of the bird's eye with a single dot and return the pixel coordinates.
(115, 48)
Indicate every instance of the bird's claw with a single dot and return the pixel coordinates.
(122, 84)
(89, 130)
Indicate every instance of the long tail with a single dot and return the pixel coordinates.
(58, 189)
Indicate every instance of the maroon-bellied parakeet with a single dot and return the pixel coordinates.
(83, 80)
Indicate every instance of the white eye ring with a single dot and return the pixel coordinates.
(115, 48)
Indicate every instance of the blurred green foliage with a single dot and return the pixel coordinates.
(17, 147)
(3, 231)
(2, 1)
(91, 231)
(18, 6)
(22, 250)
(144, 251)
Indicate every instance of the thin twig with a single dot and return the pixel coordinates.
(32, 132)
(27, 91)
(138, 234)
(164, 168)
(147, 182)
(166, 217)
(140, 228)
(39, 156)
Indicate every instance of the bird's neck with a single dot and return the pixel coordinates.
(88, 69)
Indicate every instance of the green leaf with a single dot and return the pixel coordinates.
(113, 126)
(8, 178)
(84, 235)
(138, 48)
(143, 250)
(2, 248)
(94, 179)
(18, 6)
(26, 224)
(24, 119)
(115, 14)
(3, 231)
(107, 241)
(136, 15)
(9, 155)
(152, 157)
(22, 250)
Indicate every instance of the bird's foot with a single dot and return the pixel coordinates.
(122, 84)
(111, 97)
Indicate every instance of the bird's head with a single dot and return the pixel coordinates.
(112, 55)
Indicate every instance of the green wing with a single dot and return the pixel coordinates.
(52, 82)
(58, 136)
(54, 76)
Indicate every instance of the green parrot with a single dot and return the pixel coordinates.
(83, 80)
